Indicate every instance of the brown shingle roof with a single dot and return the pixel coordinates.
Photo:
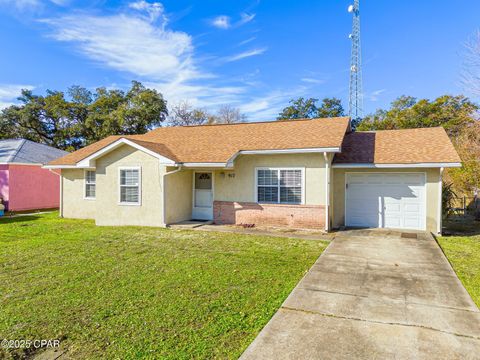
(408, 146)
(217, 143)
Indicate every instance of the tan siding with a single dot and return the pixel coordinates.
(74, 205)
(241, 188)
(178, 196)
(109, 211)
(338, 181)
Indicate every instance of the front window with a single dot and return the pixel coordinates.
(281, 186)
(130, 186)
(90, 184)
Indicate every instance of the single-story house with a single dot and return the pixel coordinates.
(24, 184)
(313, 173)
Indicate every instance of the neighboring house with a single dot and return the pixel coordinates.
(24, 184)
(301, 173)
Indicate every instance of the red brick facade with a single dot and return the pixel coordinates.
(282, 215)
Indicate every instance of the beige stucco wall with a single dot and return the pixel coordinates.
(178, 195)
(74, 205)
(241, 187)
(109, 210)
(432, 191)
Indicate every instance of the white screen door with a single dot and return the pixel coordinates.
(202, 196)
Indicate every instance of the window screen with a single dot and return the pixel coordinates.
(130, 186)
(90, 184)
(279, 186)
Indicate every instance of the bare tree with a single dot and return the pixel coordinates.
(184, 114)
(471, 69)
(227, 114)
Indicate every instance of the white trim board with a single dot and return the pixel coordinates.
(89, 161)
(203, 164)
(400, 166)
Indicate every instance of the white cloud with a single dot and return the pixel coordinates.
(268, 106)
(246, 41)
(245, 18)
(245, 54)
(313, 80)
(10, 92)
(154, 10)
(131, 42)
(221, 22)
(374, 95)
(21, 4)
(24, 5)
(225, 22)
(137, 40)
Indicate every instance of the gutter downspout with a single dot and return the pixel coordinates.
(440, 195)
(180, 168)
(327, 192)
(60, 205)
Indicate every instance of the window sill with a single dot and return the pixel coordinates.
(129, 204)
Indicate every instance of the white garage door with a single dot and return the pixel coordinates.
(385, 200)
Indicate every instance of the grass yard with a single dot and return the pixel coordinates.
(131, 292)
(463, 252)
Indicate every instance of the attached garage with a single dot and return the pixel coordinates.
(386, 200)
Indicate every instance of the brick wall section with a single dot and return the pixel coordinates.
(281, 215)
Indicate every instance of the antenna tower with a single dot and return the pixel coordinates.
(356, 91)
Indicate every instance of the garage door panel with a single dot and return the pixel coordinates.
(393, 200)
(393, 222)
(412, 223)
(364, 220)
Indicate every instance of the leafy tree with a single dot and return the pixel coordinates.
(302, 108)
(457, 114)
(84, 117)
(330, 107)
(454, 113)
(184, 114)
(467, 144)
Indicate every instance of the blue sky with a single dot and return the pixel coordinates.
(255, 55)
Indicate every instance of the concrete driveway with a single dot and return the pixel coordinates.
(374, 294)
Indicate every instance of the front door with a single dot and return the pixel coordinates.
(202, 196)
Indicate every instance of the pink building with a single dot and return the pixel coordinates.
(24, 185)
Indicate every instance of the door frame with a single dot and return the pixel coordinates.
(212, 173)
(388, 172)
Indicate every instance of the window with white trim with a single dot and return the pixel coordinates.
(130, 186)
(280, 186)
(90, 184)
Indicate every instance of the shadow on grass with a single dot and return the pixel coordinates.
(18, 219)
(461, 225)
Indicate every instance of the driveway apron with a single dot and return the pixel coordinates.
(375, 294)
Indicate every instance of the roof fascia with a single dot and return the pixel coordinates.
(89, 161)
(389, 166)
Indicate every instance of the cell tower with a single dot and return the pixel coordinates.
(356, 91)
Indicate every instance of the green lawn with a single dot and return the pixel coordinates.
(131, 292)
(463, 252)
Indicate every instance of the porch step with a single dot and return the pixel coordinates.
(190, 224)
